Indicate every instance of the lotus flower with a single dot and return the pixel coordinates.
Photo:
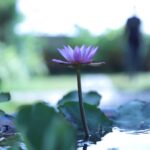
(75, 58)
(78, 55)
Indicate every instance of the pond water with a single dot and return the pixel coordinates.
(101, 83)
(91, 82)
(111, 99)
(123, 140)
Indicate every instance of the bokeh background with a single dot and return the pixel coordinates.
(31, 31)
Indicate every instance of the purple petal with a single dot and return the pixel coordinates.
(82, 55)
(69, 53)
(60, 61)
(82, 50)
(77, 54)
(86, 52)
(92, 53)
(63, 53)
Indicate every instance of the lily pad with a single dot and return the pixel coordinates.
(4, 97)
(98, 123)
(2, 113)
(43, 128)
(133, 115)
(146, 115)
(92, 98)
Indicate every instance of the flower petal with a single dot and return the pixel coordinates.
(60, 61)
(77, 54)
(92, 53)
(69, 53)
(83, 50)
(63, 53)
(86, 52)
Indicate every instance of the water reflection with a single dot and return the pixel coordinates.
(124, 140)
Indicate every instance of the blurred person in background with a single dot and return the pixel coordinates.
(133, 41)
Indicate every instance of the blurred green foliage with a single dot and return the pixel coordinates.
(112, 48)
(8, 19)
(21, 63)
(11, 66)
(20, 55)
(25, 56)
(31, 54)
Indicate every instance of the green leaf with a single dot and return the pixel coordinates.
(132, 115)
(44, 129)
(61, 134)
(2, 113)
(146, 115)
(4, 97)
(91, 97)
(98, 123)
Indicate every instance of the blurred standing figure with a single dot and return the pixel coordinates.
(133, 37)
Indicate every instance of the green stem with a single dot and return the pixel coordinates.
(82, 111)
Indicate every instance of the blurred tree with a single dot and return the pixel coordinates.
(84, 36)
(8, 19)
(25, 54)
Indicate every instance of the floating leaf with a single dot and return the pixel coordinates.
(4, 97)
(44, 129)
(91, 97)
(98, 123)
(133, 115)
(2, 113)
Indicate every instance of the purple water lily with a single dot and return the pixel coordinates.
(78, 55)
(76, 58)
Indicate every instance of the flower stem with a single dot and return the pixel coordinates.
(82, 111)
(85, 147)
